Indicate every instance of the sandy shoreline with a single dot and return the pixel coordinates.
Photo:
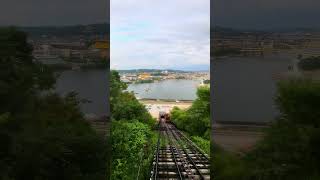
(155, 106)
(237, 138)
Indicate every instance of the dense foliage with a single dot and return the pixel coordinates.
(42, 135)
(226, 165)
(290, 148)
(131, 153)
(202, 143)
(132, 136)
(310, 63)
(195, 120)
(21, 78)
(124, 105)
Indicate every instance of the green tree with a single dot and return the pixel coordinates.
(290, 149)
(43, 135)
(226, 165)
(132, 137)
(310, 63)
(124, 105)
(21, 78)
(116, 88)
(129, 108)
(195, 120)
(130, 150)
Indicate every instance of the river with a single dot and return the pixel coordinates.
(244, 88)
(167, 89)
(90, 85)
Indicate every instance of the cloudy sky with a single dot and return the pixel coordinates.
(266, 14)
(160, 34)
(53, 12)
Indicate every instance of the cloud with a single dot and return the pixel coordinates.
(159, 34)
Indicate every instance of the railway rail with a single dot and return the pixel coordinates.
(177, 157)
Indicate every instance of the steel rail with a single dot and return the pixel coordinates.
(190, 159)
(197, 151)
(184, 154)
(194, 145)
(174, 157)
(155, 166)
(195, 148)
(184, 162)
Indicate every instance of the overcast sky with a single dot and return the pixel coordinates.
(53, 12)
(160, 34)
(266, 14)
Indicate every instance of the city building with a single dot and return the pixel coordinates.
(144, 76)
(103, 46)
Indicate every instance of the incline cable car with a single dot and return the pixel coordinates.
(164, 116)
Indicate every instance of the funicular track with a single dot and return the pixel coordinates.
(179, 157)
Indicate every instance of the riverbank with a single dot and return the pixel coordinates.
(165, 101)
(155, 106)
(237, 138)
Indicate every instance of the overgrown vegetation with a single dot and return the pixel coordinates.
(133, 140)
(196, 120)
(310, 63)
(202, 143)
(290, 148)
(131, 150)
(42, 135)
(226, 165)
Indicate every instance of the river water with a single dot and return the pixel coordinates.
(90, 85)
(167, 89)
(244, 88)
